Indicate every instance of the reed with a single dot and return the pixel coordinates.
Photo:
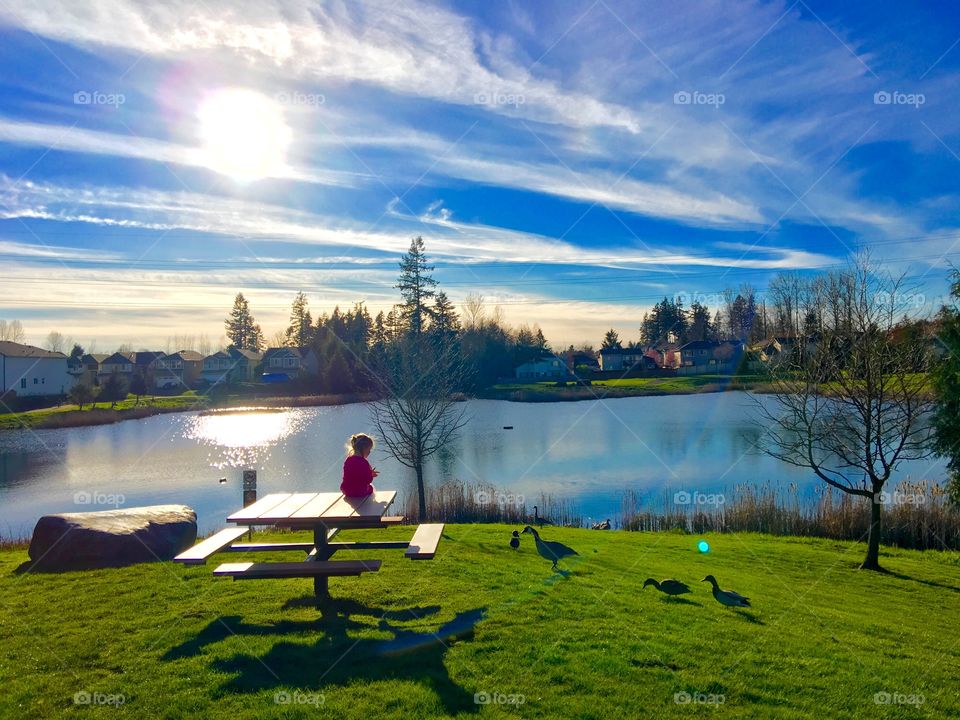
(916, 515)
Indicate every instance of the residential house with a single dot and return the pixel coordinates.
(230, 366)
(664, 355)
(177, 370)
(578, 358)
(546, 368)
(619, 358)
(288, 363)
(117, 364)
(710, 356)
(87, 370)
(31, 371)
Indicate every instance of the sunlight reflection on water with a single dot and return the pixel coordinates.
(242, 439)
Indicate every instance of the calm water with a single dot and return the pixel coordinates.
(589, 452)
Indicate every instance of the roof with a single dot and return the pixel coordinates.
(248, 354)
(706, 344)
(145, 357)
(97, 357)
(118, 358)
(12, 349)
(296, 352)
(219, 354)
(622, 351)
(189, 355)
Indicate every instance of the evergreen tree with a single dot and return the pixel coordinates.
(339, 377)
(700, 322)
(445, 326)
(416, 287)
(946, 384)
(611, 340)
(301, 323)
(242, 331)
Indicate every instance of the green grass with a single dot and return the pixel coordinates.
(68, 415)
(821, 639)
(626, 387)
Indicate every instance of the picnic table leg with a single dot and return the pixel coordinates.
(320, 584)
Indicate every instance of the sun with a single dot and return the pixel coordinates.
(243, 134)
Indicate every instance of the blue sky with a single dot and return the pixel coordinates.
(573, 162)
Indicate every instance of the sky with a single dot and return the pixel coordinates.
(572, 162)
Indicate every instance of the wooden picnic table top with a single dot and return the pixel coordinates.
(328, 508)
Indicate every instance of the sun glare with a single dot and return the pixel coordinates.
(243, 134)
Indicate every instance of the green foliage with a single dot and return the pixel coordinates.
(242, 331)
(178, 643)
(82, 394)
(946, 384)
(113, 389)
(416, 286)
(299, 331)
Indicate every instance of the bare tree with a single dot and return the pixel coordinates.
(418, 414)
(55, 342)
(12, 331)
(852, 406)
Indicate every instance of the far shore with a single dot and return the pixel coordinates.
(68, 416)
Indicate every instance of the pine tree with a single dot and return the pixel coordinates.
(301, 323)
(946, 384)
(416, 287)
(611, 340)
(242, 331)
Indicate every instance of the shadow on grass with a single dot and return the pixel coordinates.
(931, 583)
(680, 601)
(749, 617)
(336, 658)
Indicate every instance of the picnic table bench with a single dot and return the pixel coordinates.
(323, 513)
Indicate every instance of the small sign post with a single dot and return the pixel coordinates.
(249, 491)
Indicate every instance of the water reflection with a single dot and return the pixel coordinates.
(242, 438)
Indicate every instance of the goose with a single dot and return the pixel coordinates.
(726, 597)
(551, 551)
(668, 587)
(605, 525)
(515, 540)
(539, 521)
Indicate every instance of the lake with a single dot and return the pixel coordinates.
(588, 452)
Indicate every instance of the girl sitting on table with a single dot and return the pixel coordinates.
(358, 475)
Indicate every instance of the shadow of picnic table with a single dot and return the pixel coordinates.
(338, 659)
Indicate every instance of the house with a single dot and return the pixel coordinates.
(546, 368)
(619, 358)
(89, 368)
(230, 366)
(578, 358)
(31, 371)
(664, 355)
(117, 364)
(291, 362)
(710, 356)
(177, 370)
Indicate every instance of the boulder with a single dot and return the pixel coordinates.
(112, 538)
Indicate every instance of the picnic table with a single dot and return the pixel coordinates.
(323, 513)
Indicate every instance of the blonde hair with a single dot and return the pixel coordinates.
(358, 443)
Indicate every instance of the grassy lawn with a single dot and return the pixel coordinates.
(626, 387)
(49, 416)
(820, 641)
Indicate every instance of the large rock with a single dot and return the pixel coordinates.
(112, 538)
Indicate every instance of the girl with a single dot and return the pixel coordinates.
(357, 473)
